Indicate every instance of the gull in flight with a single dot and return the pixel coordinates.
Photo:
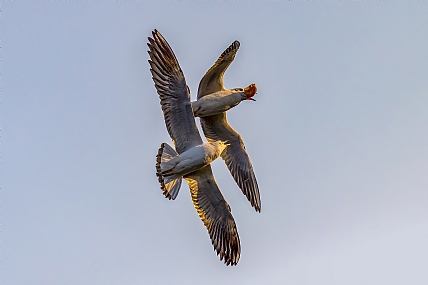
(213, 102)
(191, 157)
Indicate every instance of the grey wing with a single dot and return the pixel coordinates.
(235, 156)
(213, 79)
(173, 93)
(215, 213)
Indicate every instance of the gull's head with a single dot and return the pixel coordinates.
(221, 145)
(250, 91)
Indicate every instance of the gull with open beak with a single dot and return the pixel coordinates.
(191, 157)
(213, 102)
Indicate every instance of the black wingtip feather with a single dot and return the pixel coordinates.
(234, 46)
(227, 247)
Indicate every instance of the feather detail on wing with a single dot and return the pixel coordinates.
(173, 93)
(213, 79)
(215, 213)
(235, 156)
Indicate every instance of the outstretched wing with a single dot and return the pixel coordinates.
(235, 156)
(173, 93)
(213, 79)
(215, 213)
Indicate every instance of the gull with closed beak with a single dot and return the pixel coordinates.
(191, 157)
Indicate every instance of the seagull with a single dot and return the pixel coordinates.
(213, 102)
(191, 157)
(213, 97)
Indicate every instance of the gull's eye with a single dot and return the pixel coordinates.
(239, 89)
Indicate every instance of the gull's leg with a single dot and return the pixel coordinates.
(195, 113)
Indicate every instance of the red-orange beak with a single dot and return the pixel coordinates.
(250, 91)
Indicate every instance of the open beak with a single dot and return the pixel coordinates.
(250, 91)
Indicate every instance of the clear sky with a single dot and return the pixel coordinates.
(338, 139)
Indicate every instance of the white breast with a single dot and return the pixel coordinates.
(216, 103)
(196, 158)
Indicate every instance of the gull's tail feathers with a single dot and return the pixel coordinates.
(170, 184)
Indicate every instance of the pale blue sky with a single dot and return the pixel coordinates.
(338, 138)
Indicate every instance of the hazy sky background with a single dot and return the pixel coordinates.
(338, 139)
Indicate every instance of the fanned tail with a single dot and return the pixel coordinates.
(170, 184)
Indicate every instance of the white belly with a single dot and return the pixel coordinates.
(216, 103)
(194, 159)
